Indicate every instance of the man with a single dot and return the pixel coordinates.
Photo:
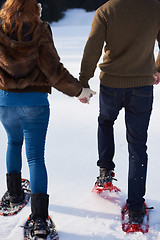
(129, 30)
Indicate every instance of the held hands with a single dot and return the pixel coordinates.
(85, 95)
(157, 78)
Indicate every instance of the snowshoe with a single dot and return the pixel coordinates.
(104, 182)
(132, 222)
(8, 209)
(46, 232)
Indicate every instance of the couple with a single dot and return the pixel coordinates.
(30, 66)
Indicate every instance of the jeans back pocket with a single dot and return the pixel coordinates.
(142, 99)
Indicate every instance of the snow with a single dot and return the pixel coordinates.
(71, 155)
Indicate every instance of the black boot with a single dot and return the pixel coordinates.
(106, 176)
(39, 208)
(136, 217)
(15, 191)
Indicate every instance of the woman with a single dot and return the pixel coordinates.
(29, 67)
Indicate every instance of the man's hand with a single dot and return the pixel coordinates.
(85, 95)
(40, 9)
(157, 78)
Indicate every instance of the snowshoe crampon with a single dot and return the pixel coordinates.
(107, 187)
(51, 229)
(133, 227)
(8, 210)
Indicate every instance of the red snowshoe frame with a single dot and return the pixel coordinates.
(107, 187)
(131, 228)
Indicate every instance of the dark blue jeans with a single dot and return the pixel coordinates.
(29, 123)
(138, 106)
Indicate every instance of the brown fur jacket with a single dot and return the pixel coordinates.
(34, 65)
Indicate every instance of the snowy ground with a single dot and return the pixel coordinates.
(71, 155)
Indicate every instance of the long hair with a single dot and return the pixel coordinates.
(14, 12)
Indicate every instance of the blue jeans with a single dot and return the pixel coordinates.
(29, 123)
(138, 106)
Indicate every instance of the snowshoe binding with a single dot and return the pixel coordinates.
(104, 182)
(40, 229)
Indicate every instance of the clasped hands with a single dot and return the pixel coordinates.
(85, 95)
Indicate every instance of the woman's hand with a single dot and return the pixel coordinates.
(85, 95)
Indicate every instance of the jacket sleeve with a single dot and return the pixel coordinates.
(93, 49)
(158, 58)
(49, 63)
